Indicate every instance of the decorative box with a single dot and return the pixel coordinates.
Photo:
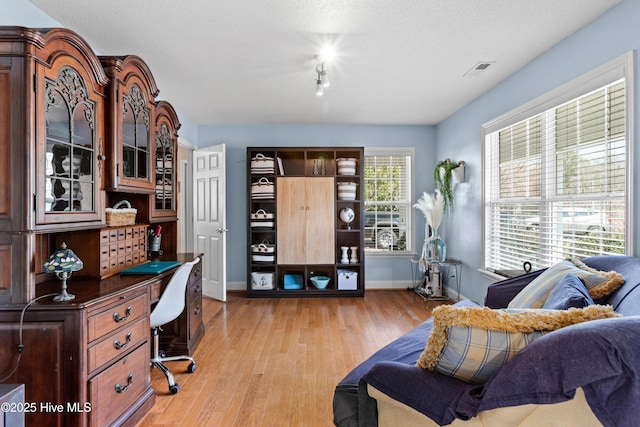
(262, 281)
(347, 280)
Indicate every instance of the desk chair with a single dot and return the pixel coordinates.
(169, 307)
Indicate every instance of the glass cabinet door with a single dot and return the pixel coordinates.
(70, 144)
(136, 156)
(165, 171)
(70, 150)
(164, 201)
(130, 126)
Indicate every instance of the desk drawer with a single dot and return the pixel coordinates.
(115, 389)
(196, 273)
(124, 313)
(194, 292)
(118, 343)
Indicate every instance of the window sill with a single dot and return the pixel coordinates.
(498, 275)
(388, 254)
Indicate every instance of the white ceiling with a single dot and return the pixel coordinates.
(253, 61)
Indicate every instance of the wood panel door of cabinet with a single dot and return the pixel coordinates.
(306, 224)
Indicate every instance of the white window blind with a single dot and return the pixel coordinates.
(388, 192)
(555, 183)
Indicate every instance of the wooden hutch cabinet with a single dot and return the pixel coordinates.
(296, 233)
(52, 90)
(77, 134)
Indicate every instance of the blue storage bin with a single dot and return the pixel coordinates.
(293, 281)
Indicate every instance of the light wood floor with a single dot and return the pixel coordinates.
(275, 362)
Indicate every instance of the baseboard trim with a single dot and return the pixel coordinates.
(376, 284)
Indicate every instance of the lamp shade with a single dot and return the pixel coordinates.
(63, 260)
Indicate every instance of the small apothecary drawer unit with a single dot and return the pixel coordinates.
(304, 223)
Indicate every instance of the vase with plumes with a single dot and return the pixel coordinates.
(434, 249)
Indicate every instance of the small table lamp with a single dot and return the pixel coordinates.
(63, 262)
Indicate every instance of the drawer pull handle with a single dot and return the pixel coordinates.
(196, 310)
(121, 389)
(119, 346)
(117, 318)
(196, 289)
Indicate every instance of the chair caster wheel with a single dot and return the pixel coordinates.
(191, 368)
(173, 389)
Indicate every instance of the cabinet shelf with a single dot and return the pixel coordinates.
(307, 228)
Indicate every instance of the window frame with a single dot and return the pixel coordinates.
(621, 67)
(410, 177)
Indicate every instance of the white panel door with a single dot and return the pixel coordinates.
(209, 225)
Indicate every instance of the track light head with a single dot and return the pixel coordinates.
(322, 80)
(319, 87)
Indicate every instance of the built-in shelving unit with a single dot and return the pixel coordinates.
(296, 226)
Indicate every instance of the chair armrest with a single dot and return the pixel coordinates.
(499, 294)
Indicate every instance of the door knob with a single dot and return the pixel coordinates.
(221, 230)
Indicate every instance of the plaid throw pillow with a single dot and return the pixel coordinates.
(598, 283)
(473, 343)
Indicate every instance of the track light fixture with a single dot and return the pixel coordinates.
(322, 80)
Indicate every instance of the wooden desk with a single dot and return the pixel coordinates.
(90, 355)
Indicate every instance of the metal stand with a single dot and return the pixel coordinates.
(449, 269)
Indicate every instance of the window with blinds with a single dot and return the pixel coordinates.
(387, 193)
(555, 183)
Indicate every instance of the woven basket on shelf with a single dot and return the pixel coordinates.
(117, 217)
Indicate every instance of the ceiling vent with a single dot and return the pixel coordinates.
(479, 68)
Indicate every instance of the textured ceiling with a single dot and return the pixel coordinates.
(253, 61)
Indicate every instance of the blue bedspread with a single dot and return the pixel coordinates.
(602, 357)
(351, 404)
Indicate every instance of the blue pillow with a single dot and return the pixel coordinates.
(569, 292)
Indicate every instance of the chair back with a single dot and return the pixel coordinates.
(172, 300)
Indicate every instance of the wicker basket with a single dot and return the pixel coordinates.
(117, 217)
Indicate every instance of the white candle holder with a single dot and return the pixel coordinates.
(354, 255)
(345, 254)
